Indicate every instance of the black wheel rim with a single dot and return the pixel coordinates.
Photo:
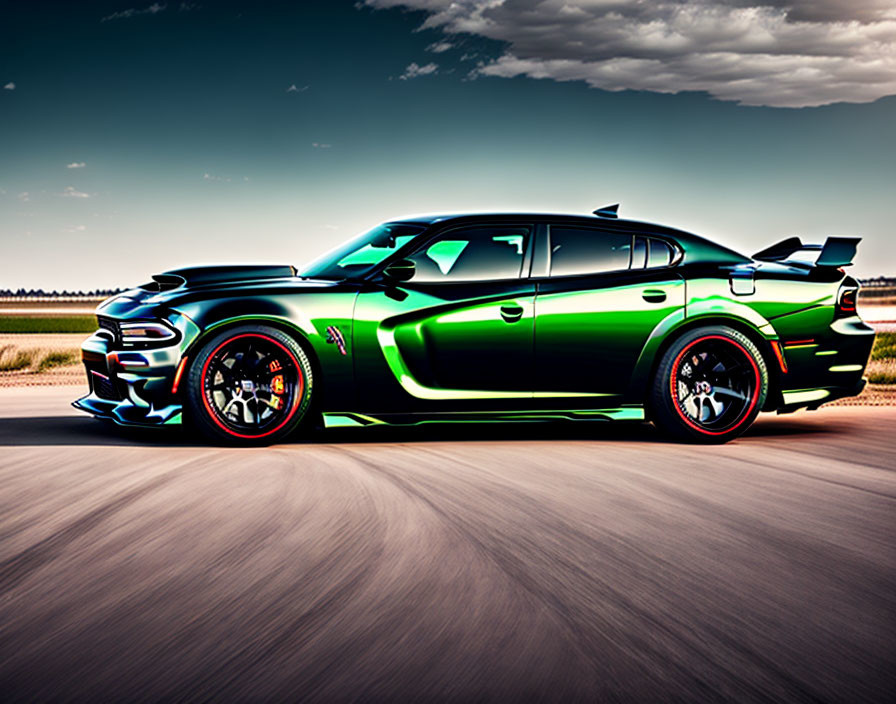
(251, 385)
(714, 384)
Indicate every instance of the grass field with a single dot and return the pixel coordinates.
(37, 358)
(882, 367)
(884, 346)
(27, 324)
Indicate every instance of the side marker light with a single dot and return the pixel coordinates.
(779, 353)
(178, 374)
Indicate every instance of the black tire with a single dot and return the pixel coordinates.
(715, 402)
(249, 385)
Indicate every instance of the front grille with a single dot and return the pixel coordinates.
(109, 326)
(104, 388)
(101, 384)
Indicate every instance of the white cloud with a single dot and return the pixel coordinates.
(76, 165)
(24, 196)
(781, 53)
(321, 145)
(134, 12)
(414, 70)
(72, 192)
(211, 177)
(76, 228)
(294, 89)
(439, 47)
(9, 86)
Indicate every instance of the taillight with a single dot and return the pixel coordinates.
(846, 300)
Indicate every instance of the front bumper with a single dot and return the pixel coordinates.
(131, 387)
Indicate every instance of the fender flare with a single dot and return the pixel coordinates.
(706, 312)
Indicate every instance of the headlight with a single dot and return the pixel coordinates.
(144, 333)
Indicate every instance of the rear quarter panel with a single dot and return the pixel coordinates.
(797, 307)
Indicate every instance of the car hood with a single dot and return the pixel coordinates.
(179, 286)
(195, 276)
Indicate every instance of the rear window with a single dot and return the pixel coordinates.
(580, 250)
(659, 253)
(652, 253)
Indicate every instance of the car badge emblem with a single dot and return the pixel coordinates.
(334, 336)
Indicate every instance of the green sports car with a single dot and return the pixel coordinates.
(513, 316)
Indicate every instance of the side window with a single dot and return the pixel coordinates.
(579, 250)
(479, 253)
(651, 253)
(659, 254)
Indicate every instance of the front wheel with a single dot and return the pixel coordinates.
(710, 386)
(249, 385)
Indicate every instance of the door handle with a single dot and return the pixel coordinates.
(652, 295)
(511, 312)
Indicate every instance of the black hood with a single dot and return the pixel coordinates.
(194, 276)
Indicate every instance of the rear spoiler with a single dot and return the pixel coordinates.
(835, 252)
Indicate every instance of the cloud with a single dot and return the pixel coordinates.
(24, 196)
(187, 6)
(76, 165)
(439, 47)
(76, 228)
(72, 192)
(414, 70)
(294, 89)
(211, 177)
(134, 12)
(320, 145)
(9, 86)
(780, 53)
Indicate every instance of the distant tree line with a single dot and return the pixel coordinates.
(41, 293)
(878, 281)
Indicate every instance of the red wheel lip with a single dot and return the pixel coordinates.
(674, 392)
(296, 402)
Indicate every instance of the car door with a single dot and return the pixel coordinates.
(601, 294)
(456, 336)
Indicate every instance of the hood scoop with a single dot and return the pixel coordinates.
(191, 277)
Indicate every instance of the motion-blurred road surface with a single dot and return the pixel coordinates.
(565, 562)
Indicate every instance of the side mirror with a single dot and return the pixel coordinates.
(401, 270)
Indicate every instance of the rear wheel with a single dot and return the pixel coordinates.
(710, 386)
(249, 385)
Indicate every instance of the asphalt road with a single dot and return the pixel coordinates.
(565, 562)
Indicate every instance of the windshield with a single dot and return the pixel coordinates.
(360, 254)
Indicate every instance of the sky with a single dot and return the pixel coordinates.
(137, 136)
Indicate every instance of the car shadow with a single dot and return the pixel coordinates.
(771, 426)
(73, 430)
